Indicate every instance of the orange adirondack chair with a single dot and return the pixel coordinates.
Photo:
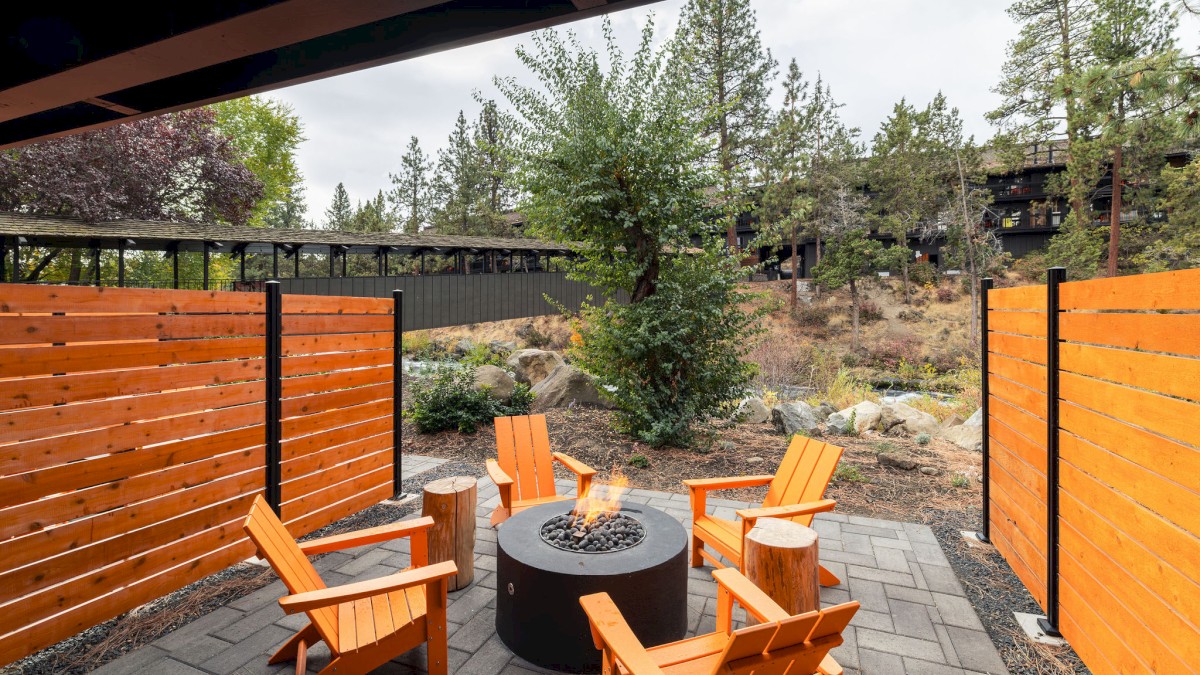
(795, 493)
(365, 624)
(524, 468)
(796, 645)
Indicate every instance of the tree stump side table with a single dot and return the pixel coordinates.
(780, 557)
(451, 504)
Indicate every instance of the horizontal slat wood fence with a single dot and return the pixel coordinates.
(133, 438)
(1128, 517)
(1016, 344)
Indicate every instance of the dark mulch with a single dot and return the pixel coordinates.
(996, 593)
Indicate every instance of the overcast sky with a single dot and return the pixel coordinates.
(871, 52)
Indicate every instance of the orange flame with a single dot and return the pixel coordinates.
(590, 507)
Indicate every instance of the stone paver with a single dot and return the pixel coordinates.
(914, 618)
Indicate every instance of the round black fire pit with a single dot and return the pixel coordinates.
(539, 584)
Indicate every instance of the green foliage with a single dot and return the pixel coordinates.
(638, 460)
(610, 162)
(266, 134)
(852, 424)
(850, 256)
(923, 438)
(850, 473)
(482, 355)
(1179, 245)
(959, 481)
(450, 401)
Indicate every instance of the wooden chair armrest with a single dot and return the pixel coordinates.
(372, 535)
(502, 480)
(613, 635)
(706, 484)
(757, 603)
(577, 467)
(788, 511)
(327, 597)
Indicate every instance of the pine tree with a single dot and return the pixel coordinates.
(1125, 101)
(904, 179)
(493, 139)
(288, 213)
(1039, 105)
(372, 216)
(458, 183)
(339, 214)
(835, 152)
(719, 54)
(784, 170)
(410, 197)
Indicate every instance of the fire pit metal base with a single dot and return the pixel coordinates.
(538, 615)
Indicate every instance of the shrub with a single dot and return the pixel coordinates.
(482, 355)
(923, 438)
(639, 461)
(922, 273)
(843, 391)
(890, 352)
(959, 481)
(449, 400)
(946, 294)
(850, 473)
(812, 316)
(868, 311)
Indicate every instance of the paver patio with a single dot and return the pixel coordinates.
(915, 617)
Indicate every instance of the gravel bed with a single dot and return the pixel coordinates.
(100, 644)
(996, 592)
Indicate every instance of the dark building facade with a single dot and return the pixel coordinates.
(1023, 214)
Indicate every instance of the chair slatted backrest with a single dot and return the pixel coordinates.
(523, 451)
(803, 474)
(278, 546)
(796, 645)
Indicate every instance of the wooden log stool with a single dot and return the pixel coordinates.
(451, 504)
(780, 557)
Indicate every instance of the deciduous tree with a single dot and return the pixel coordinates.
(609, 162)
(266, 134)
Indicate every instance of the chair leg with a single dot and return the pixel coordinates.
(827, 578)
(697, 547)
(291, 649)
(301, 658)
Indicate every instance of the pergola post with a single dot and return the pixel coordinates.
(381, 261)
(332, 251)
(296, 262)
(3, 254)
(175, 265)
(274, 261)
(345, 253)
(206, 261)
(242, 266)
(96, 266)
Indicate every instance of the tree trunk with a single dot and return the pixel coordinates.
(1114, 225)
(780, 558)
(795, 270)
(451, 504)
(904, 274)
(854, 315)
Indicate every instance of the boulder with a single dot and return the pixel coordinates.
(752, 411)
(502, 347)
(951, 421)
(463, 347)
(566, 386)
(499, 384)
(866, 416)
(888, 420)
(975, 420)
(797, 418)
(896, 460)
(930, 470)
(531, 366)
(966, 437)
(826, 409)
(914, 421)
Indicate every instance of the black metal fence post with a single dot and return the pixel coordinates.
(1054, 277)
(985, 285)
(274, 384)
(397, 391)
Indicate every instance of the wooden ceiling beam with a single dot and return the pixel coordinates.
(262, 30)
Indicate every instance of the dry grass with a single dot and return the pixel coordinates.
(1033, 657)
